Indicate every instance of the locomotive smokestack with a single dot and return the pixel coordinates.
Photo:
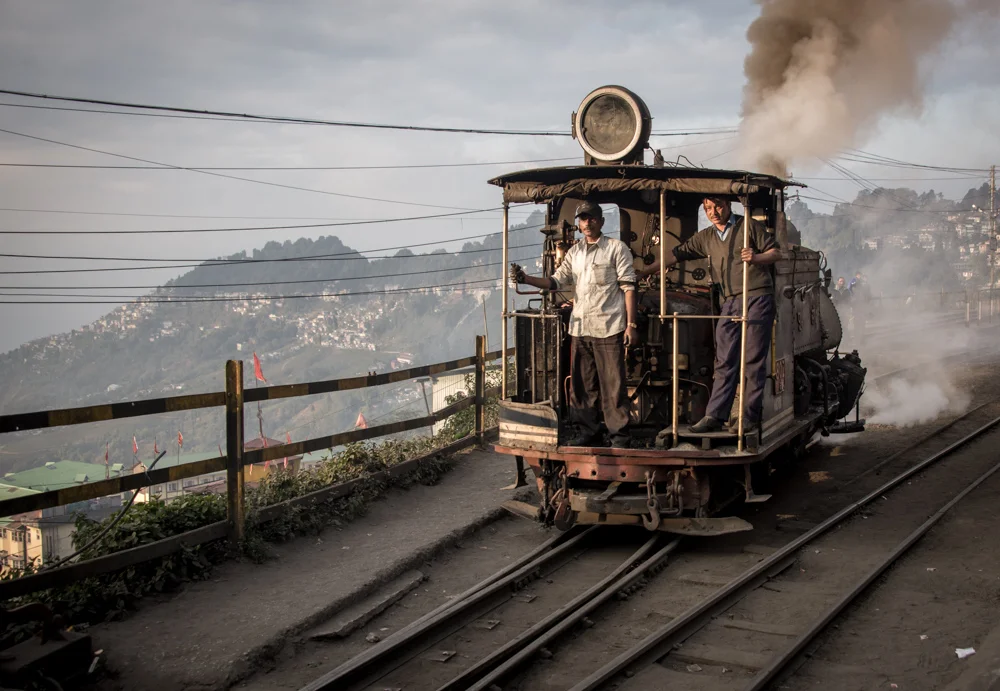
(821, 73)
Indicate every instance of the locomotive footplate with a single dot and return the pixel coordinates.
(713, 440)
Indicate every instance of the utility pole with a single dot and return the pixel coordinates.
(993, 234)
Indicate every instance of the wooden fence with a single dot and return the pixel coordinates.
(235, 460)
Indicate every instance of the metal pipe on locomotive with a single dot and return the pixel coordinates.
(672, 479)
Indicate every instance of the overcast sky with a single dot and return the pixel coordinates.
(510, 65)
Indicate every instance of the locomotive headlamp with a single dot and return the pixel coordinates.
(612, 125)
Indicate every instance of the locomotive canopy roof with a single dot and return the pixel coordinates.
(544, 184)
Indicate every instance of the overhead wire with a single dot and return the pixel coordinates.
(859, 156)
(230, 177)
(262, 282)
(880, 208)
(318, 257)
(204, 113)
(242, 229)
(259, 218)
(308, 257)
(415, 166)
(454, 287)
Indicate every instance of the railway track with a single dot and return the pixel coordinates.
(482, 608)
(525, 659)
(764, 650)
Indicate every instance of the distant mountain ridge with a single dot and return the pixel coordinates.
(156, 347)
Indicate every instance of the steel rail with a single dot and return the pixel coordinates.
(475, 673)
(875, 469)
(658, 644)
(403, 645)
(571, 614)
(781, 662)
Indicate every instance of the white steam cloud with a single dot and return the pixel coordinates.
(904, 403)
(821, 73)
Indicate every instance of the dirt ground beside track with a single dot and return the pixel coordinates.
(250, 622)
(943, 595)
(217, 631)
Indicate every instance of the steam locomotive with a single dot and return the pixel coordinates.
(672, 479)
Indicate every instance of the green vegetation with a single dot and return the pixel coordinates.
(113, 595)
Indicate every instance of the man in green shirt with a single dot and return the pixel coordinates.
(722, 244)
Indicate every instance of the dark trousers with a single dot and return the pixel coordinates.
(598, 371)
(760, 310)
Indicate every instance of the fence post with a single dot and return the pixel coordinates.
(235, 508)
(480, 388)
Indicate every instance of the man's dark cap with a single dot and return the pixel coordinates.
(590, 208)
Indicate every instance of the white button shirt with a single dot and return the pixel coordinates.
(598, 273)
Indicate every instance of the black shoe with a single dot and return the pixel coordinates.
(621, 443)
(748, 426)
(706, 424)
(584, 440)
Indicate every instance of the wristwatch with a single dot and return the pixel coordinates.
(633, 325)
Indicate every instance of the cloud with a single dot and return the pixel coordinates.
(515, 65)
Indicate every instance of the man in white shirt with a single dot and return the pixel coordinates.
(602, 324)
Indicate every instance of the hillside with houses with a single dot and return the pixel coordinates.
(311, 310)
(905, 242)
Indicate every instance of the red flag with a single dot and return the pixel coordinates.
(135, 446)
(180, 439)
(288, 439)
(107, 451)
(257, 371)
(156, 449)
(361, 422)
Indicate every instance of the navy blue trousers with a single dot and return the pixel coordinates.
(760, 310)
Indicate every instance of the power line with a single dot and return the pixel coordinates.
(230, 177)
(210, 261)
(453, 287)
(202, 113)
(954, 177)
(859, 156)
(879, 208)
(249, 283)
(416, 166)
(336, 224)
(251, 261)
(514, 209)
(222, 114)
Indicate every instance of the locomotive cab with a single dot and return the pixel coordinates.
(671, 479)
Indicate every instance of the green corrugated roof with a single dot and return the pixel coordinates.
(59, 474)
(12, 492)
(54, 475)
